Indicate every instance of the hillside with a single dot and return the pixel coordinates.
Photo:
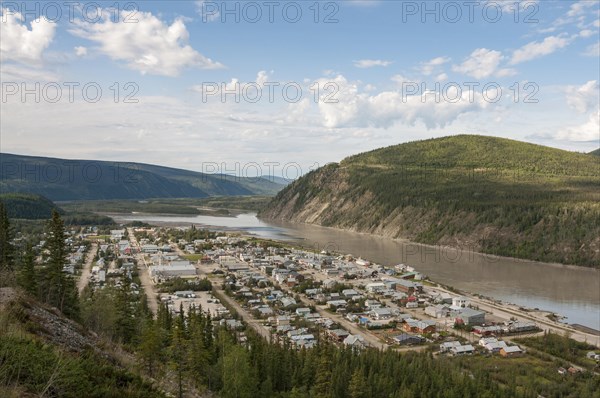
(596, 152)
(62, 179)
(487, 194)
(42, 353)
(28, 206)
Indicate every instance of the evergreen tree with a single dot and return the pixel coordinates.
(27, 278)
(59, 289)
(239, 378)
(358, 387)
(6, 249)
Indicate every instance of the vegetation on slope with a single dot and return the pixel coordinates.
(28, 206)
(62, 179)
(487, 194)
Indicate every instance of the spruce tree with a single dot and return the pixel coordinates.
(6, 249)
(59, 288)
(27, 278)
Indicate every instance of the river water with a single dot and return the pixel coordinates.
(573, 292)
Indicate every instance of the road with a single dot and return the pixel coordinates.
(142, 267)
(249, 319)
(87, 268)
(545, 324)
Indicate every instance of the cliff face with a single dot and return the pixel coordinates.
(481, 193)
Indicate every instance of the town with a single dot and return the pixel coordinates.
(295, 296)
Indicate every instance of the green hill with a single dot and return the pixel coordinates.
(596, 152)
(487, 194)
(63, 180)
(28, 206)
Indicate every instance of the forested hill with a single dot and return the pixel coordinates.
(28, 206)
(62, 179)
(487, 194)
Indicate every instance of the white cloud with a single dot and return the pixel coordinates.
(387, 108)
(427, 68)
(209, 12)
(585, 97)
(21, 43)
(148, 46)
(588, 131)
(536, 49)
(580, 8)
(14, 73)
(586, 33)
(483, 63)
(80, 51)
(593, 50)
(371, 63)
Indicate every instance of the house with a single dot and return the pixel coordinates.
(381, 313)
(287, 302)
(459, 302)
(593, 355)
(418, 326)
(329, 283)
(493, 345)
(487, 330)
(437, 311)
(302, 311)
(265, 311)
(355, 341)
(336, 303)
(408, 339)
(372, 304)
(520, 326)
(283, 320)
(375, 287)
(442, 298)
(467, 349)
(511, 351)
(448, 345)
(349, 293)
(338, 334)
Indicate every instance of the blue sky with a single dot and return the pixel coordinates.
(369, 58)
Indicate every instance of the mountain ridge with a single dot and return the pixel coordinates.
(487, 194)
(79, 179)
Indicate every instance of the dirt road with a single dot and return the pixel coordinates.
(87, 268)
(142, 267)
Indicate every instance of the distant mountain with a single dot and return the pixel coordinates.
(28, 206)
(487, 194)
(62, 180)
(596, 152)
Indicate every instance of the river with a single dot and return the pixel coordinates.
(573, 292)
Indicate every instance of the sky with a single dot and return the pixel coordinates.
(284, 86)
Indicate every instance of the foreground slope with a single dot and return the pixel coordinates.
(487, 194)
(44, 354)
(62, 179)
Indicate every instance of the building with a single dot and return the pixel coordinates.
(511, 351)
(469, 316)
(437, 311)
(418, 326)
(408, 339)
(149, 248)
(175, 269)
(381, 313)
(467, 349)
(448, 345)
